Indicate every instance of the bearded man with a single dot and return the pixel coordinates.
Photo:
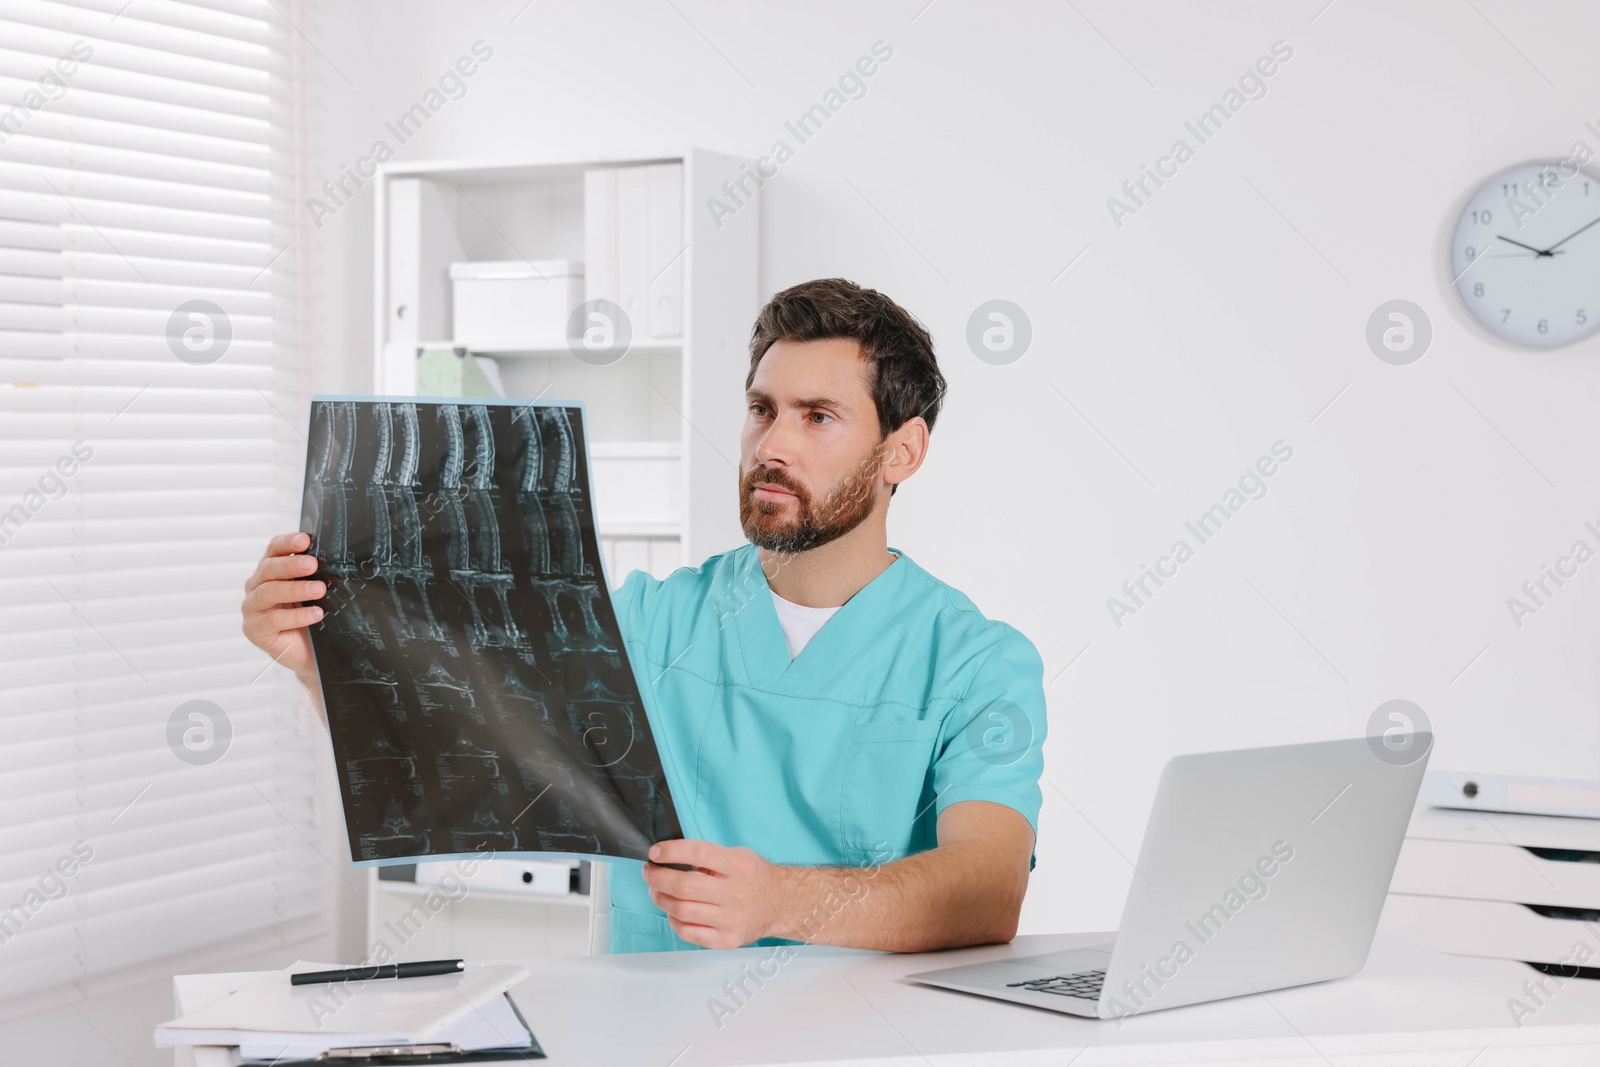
(854, 750)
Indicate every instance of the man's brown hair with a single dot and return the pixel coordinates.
(906, 381)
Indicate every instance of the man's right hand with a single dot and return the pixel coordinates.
(275, 618)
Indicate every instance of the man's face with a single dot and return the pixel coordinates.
(809, 454)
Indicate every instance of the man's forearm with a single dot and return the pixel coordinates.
(313, 686)
(956, 894)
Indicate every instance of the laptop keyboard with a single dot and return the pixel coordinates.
(1084, 984)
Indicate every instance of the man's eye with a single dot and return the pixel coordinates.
(757, 410)
(820, 417)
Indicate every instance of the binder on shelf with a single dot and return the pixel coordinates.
(664, 250)
(1515, 794)
(633, 272)
(520, 876)
(634, 244)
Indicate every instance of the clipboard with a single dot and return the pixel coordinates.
(533, 1051)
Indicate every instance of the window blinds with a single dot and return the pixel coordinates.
(159, 780)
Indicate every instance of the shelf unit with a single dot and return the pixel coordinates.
(663, 421)
(1509, 891)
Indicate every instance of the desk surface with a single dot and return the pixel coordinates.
(840, 1006)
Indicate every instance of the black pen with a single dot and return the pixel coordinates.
(419, 969)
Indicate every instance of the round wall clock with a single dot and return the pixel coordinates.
(1526, 254)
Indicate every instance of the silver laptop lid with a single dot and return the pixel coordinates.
(1262, 868)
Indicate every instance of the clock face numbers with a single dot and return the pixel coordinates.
(1525, 257)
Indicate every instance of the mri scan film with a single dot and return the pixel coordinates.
(478, 692)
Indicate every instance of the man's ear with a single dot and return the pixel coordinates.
(904, 450)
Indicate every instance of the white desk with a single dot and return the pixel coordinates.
(1409, 1006)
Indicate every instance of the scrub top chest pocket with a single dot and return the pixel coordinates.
(887, 767)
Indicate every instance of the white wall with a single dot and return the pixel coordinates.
(1218, 320)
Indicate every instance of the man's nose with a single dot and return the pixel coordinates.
(776, 446)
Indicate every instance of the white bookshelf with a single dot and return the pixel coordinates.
(663, 421)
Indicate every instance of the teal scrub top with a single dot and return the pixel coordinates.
(906, 701)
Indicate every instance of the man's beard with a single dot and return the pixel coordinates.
(845, 507)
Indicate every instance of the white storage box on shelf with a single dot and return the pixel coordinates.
(514, 303)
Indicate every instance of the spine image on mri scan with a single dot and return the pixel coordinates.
(478, 690)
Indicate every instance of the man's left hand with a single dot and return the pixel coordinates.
(730, 898)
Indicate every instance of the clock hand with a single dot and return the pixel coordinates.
(1570, 236)
(1538, 251)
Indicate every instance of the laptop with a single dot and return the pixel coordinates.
(1261, 868)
